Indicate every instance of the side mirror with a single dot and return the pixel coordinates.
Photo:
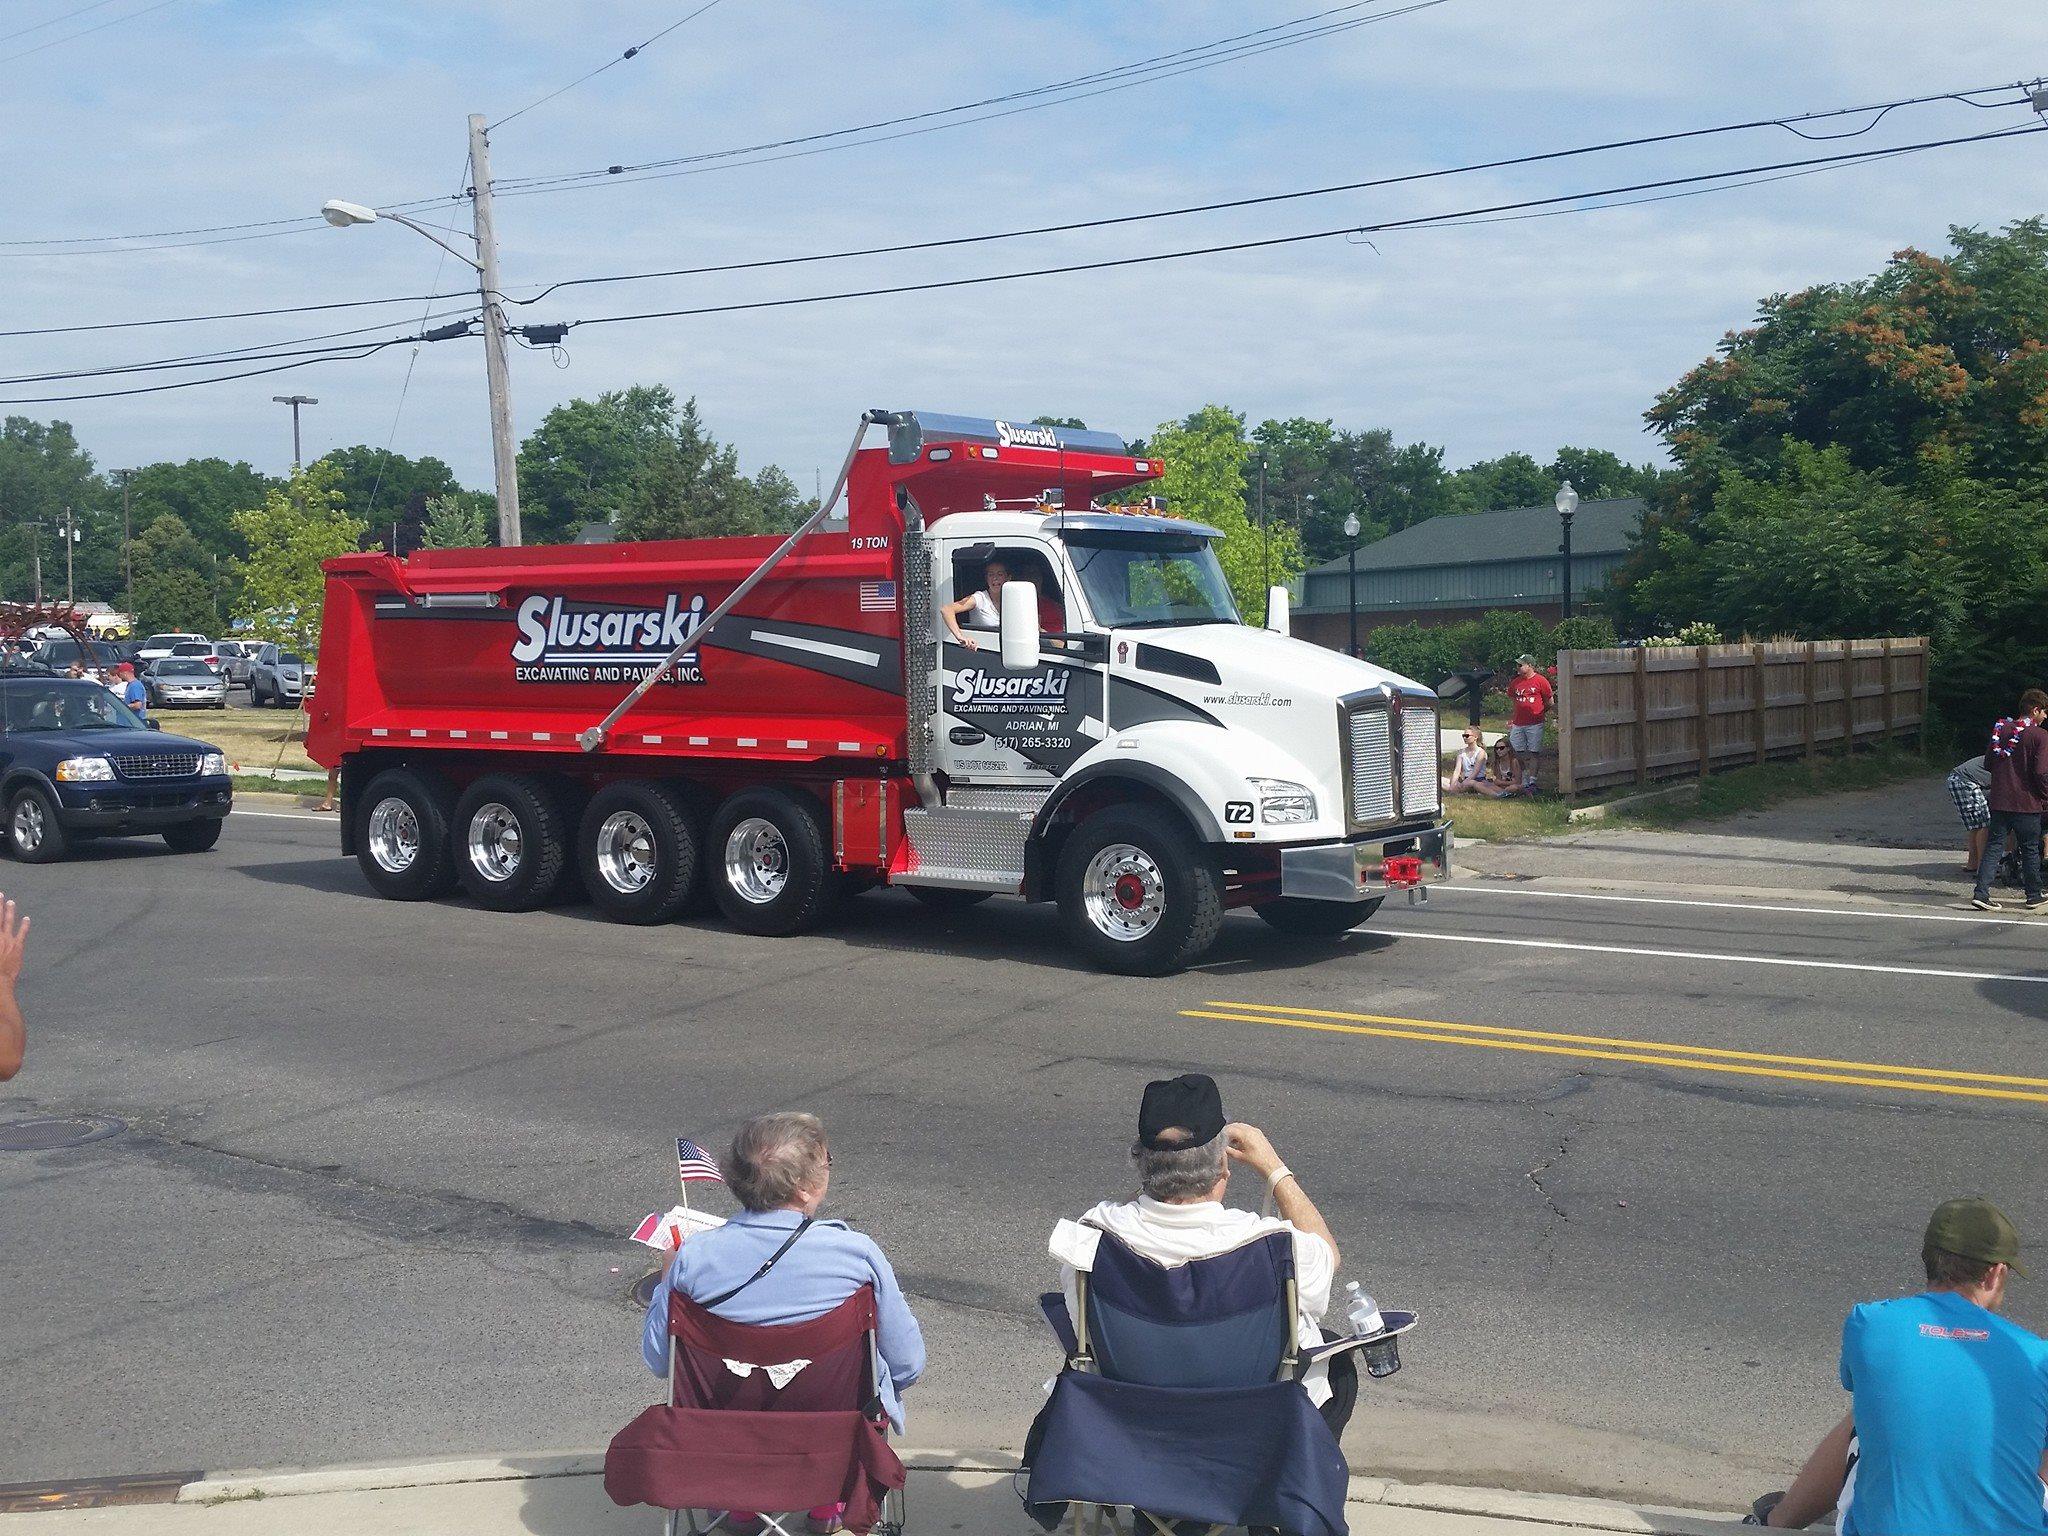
(1277, 616)
(1020, 626)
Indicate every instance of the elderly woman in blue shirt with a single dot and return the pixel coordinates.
(780, 1169)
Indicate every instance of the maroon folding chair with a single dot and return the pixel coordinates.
(772, 1418)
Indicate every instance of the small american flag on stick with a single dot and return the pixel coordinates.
(694, 1165)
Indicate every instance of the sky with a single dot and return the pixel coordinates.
(1518, 334)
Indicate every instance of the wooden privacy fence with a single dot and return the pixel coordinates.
(1668, 712)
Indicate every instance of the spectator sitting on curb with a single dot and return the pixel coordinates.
(2017, 758)
(1531, 691)
(13, 1032)
(1948, 1428)
(1967, 782)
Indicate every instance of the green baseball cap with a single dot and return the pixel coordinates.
(1976, 1229)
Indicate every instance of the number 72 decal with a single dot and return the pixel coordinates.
(1237, 812)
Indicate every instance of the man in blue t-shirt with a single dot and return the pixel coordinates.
(1950, 1421)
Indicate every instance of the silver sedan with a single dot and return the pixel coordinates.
(179, 682)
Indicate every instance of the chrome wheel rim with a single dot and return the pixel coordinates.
(756, 861)
(625, 852)
(28, 824)
(496, 842)
(1124, 892)
(394, 835)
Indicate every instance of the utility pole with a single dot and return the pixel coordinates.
(295, 401)
(503, 458)
(70, 538)
(127, 560)
(35, 544)
(1265, 548)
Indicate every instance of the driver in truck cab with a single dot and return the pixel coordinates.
(984, 608)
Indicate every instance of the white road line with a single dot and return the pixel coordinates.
(1707, 954)
(1725, 906)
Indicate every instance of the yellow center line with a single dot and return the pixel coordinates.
(1642, 1045)
(1643, 1058)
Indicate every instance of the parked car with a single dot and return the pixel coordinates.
(77, 763)
(185, 681)
(235, 656)
(157, 646)
(207, 651)
(97, 655)
(278, 676)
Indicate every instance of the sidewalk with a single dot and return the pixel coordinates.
(564, 1496)
(1899, 846)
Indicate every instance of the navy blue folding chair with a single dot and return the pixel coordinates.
(1182, 1401)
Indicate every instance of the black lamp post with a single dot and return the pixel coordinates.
(1567, 503)
(1351, 533)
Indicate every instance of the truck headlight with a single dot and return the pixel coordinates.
(212, 763)
(84, 770)
(1282, 802)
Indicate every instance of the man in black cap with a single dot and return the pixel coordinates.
(1949, 1431)
(1183, 1153)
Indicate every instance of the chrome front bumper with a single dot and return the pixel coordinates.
(1356, 869)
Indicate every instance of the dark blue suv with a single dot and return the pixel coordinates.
(75, 763)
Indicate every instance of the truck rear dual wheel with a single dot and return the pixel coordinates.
(769, 867)
(511, 842)
(637, 849)
(1316, 919)
(1137, 894)
(402, 844)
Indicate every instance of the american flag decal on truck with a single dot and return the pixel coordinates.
(878, 597)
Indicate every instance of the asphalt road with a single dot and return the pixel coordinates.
(366, 1167)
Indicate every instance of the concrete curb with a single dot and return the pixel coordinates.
(1445, 1498)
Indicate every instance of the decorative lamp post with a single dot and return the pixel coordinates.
(1567, 503)
(1351, 533)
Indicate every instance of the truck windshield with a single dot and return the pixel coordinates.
(1134, 580)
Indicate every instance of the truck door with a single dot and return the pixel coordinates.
(995, 726)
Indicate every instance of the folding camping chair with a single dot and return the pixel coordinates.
(767, 1417)
(1182, 1400)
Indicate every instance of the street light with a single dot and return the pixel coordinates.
(1351, 533)
(1567, 503)
(504, 462)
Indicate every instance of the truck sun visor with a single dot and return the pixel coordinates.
(911, 430)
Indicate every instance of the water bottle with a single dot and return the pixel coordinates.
(1361, 1312)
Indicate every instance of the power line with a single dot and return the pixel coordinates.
(1143, 73)
(255, 351)
(1260, 200)
(85, 32)
(1419, 221)
(631, 52)
(231, 314)
(8, 37)
(367, 350)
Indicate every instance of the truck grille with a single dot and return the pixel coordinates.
(1369, 761)
(159, 765)
(1421, 790)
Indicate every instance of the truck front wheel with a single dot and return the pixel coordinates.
(402, 835)
(1307, 919)
(1138, 895)
(770, 872)
(510, 842)
(637, 849)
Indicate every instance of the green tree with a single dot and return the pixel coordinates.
(688, 486)
(43, 470)
(300, 524)
(381, 488)
(1598, 475)
(176, 579)
(458, 520)
(1205, 463)
(1512, 480)
(781, 506)
(203, 494)
(575, 467)
(1060, 421)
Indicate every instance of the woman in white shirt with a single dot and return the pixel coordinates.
(984, 610)
(1468, 775)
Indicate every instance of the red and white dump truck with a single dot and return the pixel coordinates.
(773, 724)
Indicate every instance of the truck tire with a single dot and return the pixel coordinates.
(1138, 895)
(767, 863)
(34, 834)
(194, 836)
(637, 851)
(941, 899)
(511, 842)
(402, 835)
(1305, 919)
